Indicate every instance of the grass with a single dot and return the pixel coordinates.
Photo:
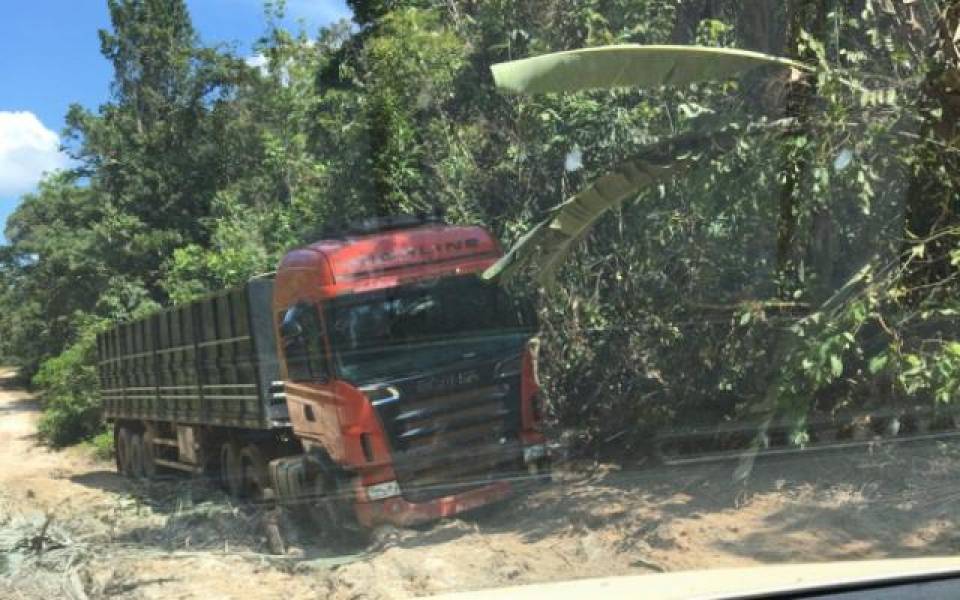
(101, 445)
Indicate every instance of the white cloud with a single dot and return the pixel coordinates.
(27, 151)
(319, 12)
(316, 13)
(258, 61)
(261, 63)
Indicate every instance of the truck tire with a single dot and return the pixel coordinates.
(330, 505)
(122, 452)
(311, 497)
(135, 453)
(231, 471)
(287, 480)
(256, 478)
(149, 454)
(325, 507)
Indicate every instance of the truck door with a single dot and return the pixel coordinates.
(310, 396)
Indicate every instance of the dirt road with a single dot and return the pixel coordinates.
(70, 527)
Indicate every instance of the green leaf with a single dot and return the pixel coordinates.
(628, 65)
(549, 241)
(877, 363)
(836, 365)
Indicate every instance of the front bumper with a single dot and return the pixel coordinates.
(399, 512)
(402, 513)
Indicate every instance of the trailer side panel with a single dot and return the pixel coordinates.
(209, 362)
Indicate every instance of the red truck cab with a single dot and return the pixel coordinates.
(407, 373)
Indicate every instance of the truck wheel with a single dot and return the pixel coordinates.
(287, 481)
(136, 456)
(256, 478)
(122, 441)
(323, 508)
(330, 502)
(312, 497)
(231, 471)
(331, 512)
(149, 453)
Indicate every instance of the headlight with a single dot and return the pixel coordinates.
(381, 395)
(534, 453)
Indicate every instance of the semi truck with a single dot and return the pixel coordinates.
(385, 375)
(374, 378)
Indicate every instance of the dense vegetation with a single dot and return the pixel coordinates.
(809, 271)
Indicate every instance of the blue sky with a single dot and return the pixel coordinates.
(50, 58)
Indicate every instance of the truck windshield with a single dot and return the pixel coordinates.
(425, 324)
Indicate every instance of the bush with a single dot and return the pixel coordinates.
(68, 420)
(102, 445)
(71, 409)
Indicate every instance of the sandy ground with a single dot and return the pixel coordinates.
(106, 537)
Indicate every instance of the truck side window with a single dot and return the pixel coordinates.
(302, 336)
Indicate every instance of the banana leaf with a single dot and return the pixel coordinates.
(628, 65)
(547, 244)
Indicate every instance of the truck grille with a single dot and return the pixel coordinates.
(452, 442)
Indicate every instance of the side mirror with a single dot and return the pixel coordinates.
(291, 327)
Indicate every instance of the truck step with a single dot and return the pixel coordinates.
(181, 466)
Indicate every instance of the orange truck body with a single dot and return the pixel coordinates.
(417, 430)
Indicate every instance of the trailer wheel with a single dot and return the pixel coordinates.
(122, 452)
(149, 454)
(231, 471)
(135, 453)
(256, 478)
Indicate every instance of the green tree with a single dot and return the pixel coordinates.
(154, 153)
(367, 12)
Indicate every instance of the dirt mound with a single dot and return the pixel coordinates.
(69, 527)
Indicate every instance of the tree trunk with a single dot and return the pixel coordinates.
(758, 26)
(932, 196)
(809, 15)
